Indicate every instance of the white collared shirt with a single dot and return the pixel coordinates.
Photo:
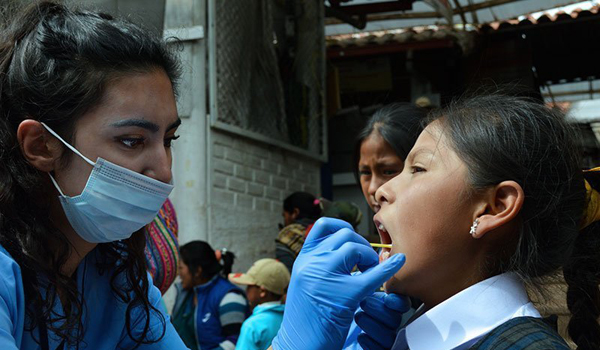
(463, 319)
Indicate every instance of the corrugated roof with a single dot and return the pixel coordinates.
(464, 38)
(544, 18)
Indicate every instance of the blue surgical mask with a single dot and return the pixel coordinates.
(115, 202)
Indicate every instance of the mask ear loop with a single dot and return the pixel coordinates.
(67, 144)
(71, 148)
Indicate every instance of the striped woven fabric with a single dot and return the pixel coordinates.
(162, 247)
(522, 333)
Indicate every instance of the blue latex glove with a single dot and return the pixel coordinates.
(379, 317)
(323, 295)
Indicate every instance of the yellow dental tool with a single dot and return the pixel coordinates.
(381, 245)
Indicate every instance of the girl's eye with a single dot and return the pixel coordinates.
(390, 172)
(169, 140)
(364, 173)
(132, 142)
(416, 169)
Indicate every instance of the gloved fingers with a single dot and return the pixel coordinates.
(367, 343)
(375, 307)
(323, 228)
(376, 276)
(356, 254)
(377, 330)
(392, 301)
(397, 302)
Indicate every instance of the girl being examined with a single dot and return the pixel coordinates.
(491, 197)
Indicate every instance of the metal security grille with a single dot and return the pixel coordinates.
(267, 66)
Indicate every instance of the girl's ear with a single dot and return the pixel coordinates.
(39, 148)
(504, 202)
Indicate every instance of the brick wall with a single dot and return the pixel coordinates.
(250, 181)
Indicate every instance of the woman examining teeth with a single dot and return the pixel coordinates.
(491, 198)
(87, 118)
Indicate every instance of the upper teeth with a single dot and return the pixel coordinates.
(381, 228)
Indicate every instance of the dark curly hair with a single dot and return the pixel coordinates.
(502, 137)
(55, 64)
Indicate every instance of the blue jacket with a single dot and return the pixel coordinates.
(103, 318)
(207, 322)
(259, 330)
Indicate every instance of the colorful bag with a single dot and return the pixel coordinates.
(162, 247)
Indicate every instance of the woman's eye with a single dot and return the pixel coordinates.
(390, 172)
(416, 169)
(364, 173)
(132, 142)
(169, 140)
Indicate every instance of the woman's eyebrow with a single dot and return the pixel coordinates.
(140, 123)
(174, 125)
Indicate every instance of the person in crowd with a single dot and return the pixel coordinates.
(300, 210)
(491, 197)
(162, 247)
(383, 144)
(209, 310)
(265, 283)
(87, 118)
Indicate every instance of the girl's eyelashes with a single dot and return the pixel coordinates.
(416, 169)
(169, 140)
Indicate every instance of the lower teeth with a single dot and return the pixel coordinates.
(385, 255)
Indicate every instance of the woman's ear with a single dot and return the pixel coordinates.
(504, 202)
(262, 292)
(295, 213)
(39, 148)
(198, 273)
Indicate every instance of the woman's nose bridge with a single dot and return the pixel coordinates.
(159, 164)
(374, 184)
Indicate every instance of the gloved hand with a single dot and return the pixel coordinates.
(379, 317)
(323, 295)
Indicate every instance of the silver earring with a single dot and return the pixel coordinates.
(474, 227)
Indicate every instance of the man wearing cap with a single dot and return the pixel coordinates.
(266, 282)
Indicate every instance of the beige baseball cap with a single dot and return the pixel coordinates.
(270, 274)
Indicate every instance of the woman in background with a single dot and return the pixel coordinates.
(209, 310)
(383, 144)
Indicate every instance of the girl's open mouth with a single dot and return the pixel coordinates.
(385, 238)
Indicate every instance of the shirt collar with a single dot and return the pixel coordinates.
(458, 322)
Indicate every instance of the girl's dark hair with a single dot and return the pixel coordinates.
(306, 203)
(502, 137)
(55, 64)
(197, 254)
(398, 123)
